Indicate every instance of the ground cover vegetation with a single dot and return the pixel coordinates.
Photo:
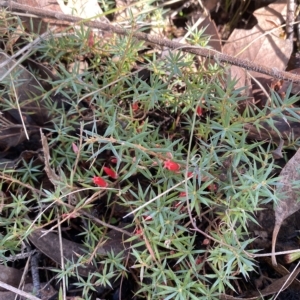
(140, 160)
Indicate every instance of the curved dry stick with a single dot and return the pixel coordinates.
(208, 53)
(274, 239)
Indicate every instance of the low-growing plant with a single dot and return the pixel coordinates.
(168, 149)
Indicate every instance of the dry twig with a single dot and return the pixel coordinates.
(208, 53)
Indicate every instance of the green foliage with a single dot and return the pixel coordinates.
(231, 175)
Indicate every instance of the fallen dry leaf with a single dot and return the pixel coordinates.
(281, 130)
(280, 269)
(11, 276)
(288, 196)
(48, 244)
(210, 30)
(47, 292)
(264, 44)
(26, 90)
(271, 289)
(41, 25)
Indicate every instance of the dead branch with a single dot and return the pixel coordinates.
(208, 53)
